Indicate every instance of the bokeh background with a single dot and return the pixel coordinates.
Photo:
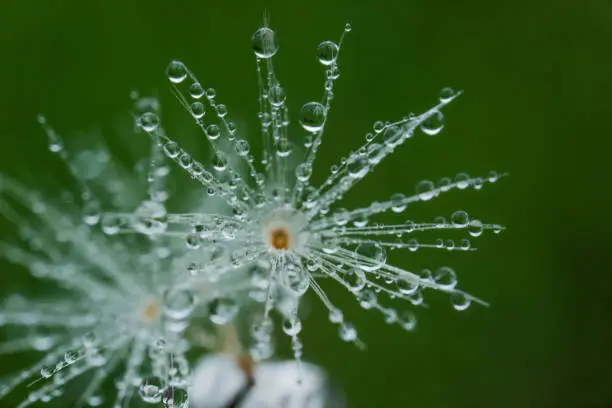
(536, 76)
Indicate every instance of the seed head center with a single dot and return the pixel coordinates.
(279, 238)
(150, 311)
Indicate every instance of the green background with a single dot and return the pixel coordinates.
(536, 76)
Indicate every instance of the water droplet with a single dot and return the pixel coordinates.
(292, 326)
(176, 72)
(444, 184)
(221, 110)
(355, 279)
(95, 400)
(149, 121)
(46, 372)
(460, 218)
(151, 389)
(335, 315)
(347, 332)
(445, 278)
(312, 116)
(393, 136)
(367, 299)
(397, 202)
(348, 27)
(171, 149)
(327, 52)
(213, 132)
(475, 228)
(276, 95)
(222, 310)
(242, 147)
(178, 303)
(295, 278)
(358, 167)
(176, 397)
(406, 286)
(370, 257)
(407, 320)
(197, 110)
(303, 171)
(433, 124)
(460, 301)
(462, 180)
(264, 43)
(196, 91)
(446, 94)
(426, 190)
(71, 356)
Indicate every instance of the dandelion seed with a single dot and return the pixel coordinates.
(119, 312)
(284, 229)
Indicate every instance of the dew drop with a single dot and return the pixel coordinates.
(303, 171)
(222, 310)
(347, 332)
(426, 190)
(475, 228)
(358, 167)
(446, 94)
(176, 72)
(149, 121)
(296, 278)
(370, 257)
(292, 326)
(460, 218)
(407, 287)
(355, 279)
(264, 43)
(196, 91)
(276, 95)
(46, 372)
(242, 147)
(197, 110)
(397, 202)
(433, 124)
(312, 116)
(327, 52)
(213, 132)
(151, 389)
(178, 303)
(460, 301)
(445, 278)
(176, 397)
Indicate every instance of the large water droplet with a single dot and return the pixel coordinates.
(223, 310)
(276, 95)
(295, 278)
(433, 124)
(149, 121)
(151, 389)
(460, 301)
(264, 43)
(327, 52)
(370, 257)
(475, 228)
(178, 303)
(292, 326)
(445, 278)
(176, 72)
(460, 218)
(426, 190)
(176, 397)
(347, 332)
(312, 116)
(355, 279)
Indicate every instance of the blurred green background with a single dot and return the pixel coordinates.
(536, 76)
